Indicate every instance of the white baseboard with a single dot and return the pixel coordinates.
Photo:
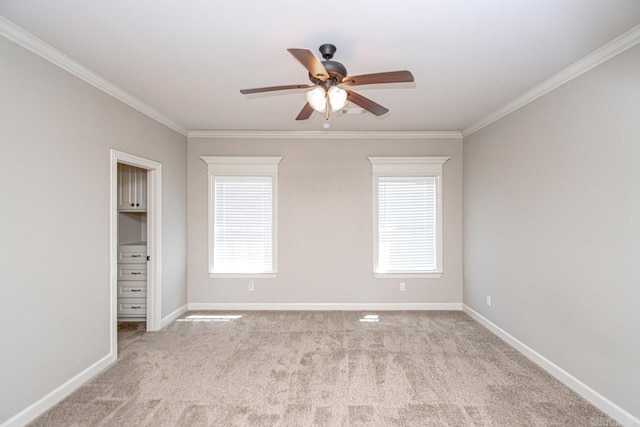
(595, 398)
(173, 316)
(248, 306)
(39, 407)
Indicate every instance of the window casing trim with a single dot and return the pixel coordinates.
(408, 166)
(242, 166)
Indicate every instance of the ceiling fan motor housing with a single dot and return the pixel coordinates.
(336, 71)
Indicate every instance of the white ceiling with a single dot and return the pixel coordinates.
(188, 59)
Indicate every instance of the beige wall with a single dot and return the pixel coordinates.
(56, 132)
(325, 223)
(552, 226)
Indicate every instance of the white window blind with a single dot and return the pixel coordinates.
(407, 224)
(243, 224)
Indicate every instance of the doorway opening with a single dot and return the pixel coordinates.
(136, 242)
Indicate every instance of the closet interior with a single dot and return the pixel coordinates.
(132, 250)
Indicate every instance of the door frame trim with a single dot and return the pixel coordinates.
(154, 242)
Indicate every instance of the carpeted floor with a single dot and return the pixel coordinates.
(322, 368)
(129, 332)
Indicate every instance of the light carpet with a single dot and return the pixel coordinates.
(322, 368)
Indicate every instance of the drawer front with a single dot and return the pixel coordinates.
(132, 307)
(132, 290)
(135, 272)
(132, 248)
(132, 257)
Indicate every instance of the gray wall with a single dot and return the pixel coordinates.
(325, 223)
(552, 226)
(56, 132)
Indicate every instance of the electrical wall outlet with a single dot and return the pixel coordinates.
(488, 300)
(251, 285)
(403, 286)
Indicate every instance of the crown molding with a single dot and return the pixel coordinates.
(27, 40)
(241, 160)
(250, 134)
(606, 52)
(408, 161)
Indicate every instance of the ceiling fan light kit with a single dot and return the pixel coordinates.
(319, 97)
(337, 98)
(325, 95)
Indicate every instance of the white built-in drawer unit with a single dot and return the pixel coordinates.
(132, 307)
(132, 272)
(132, 281)
(131, 257)
(132, 289)
(134, 247)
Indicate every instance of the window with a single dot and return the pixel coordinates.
(407, 216)
(242, 216)
(242, 224)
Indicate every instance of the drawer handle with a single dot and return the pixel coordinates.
(136, 256)
(136, 290)
(136, 306)
(135, 272)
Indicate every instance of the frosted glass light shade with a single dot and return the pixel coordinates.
(337, 98)
(317, 98)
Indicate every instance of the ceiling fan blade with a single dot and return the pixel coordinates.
(305, 113)
(376, 78)
(310, 62)
(273, 88)
(366, 103)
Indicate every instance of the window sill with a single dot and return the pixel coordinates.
(243, 275)
(435, 275)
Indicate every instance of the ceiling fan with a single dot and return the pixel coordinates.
(327, 76)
